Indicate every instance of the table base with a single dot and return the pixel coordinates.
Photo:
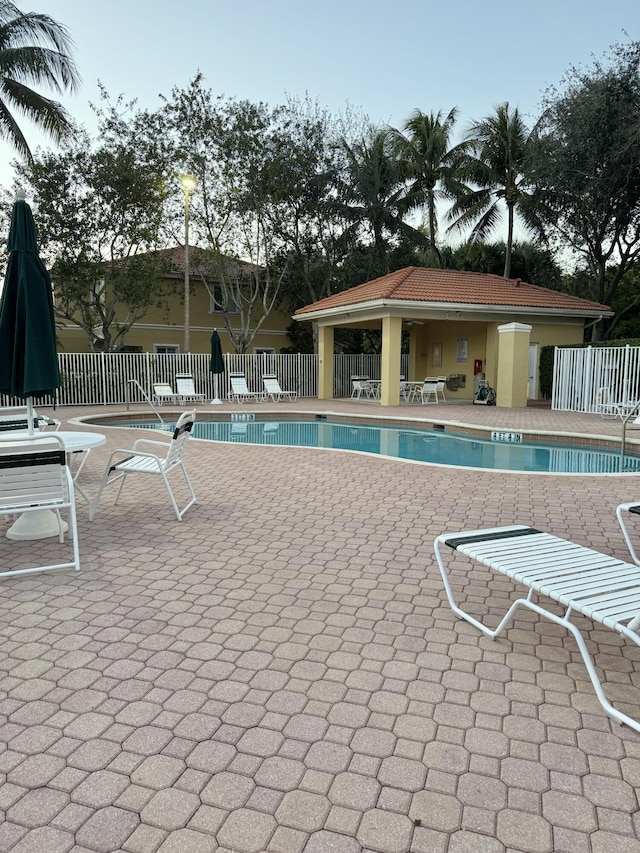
(39, 524)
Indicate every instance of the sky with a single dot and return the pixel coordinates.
(387, 59)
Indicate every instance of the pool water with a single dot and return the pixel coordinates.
(420, 445)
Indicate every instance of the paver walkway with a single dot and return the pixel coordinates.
(280, 671)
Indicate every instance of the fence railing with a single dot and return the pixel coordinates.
(105, 378)
(595, 379)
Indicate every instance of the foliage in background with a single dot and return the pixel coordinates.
(585, 167)
(99, 208)
(34, 49)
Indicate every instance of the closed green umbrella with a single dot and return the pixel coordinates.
(216, 365)
(28, 355)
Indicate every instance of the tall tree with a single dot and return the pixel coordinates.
(493, 163)
(586, 171)
(230, 146)
(99, 210)
(429, 163)
(373, 194)
(34, 50)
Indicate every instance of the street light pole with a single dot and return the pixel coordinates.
(188, 184)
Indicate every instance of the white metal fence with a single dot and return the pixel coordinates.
(106, 378)
(595, 379)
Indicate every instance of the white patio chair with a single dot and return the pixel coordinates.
(440, 383)
(37, 480)
(361, 386)
(140, 462)
(272, 389)
(428, 390)
(185, 388)
(163, 391)
(239, 391)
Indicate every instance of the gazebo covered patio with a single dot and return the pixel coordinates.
(460, 324)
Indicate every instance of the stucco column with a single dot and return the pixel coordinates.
(391, 346)
(513, 363)
(325, 362)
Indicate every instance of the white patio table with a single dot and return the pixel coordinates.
(42, 524)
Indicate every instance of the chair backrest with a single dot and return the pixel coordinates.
(30, 477)
(180, 437)
(238, 383)
(163, 389)
(271, 384)
(9, 423)
(184, 384)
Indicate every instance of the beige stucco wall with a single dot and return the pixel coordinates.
(482, 343)
(160, 327)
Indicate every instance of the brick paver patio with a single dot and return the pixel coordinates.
(280, 671)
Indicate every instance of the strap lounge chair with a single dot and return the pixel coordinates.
(239, 391)
(577, 578)
(185, 388)
(163, 391)
(35, 480)
(272, 389)
(136, 461)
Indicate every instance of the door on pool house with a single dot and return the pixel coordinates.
(532, 373)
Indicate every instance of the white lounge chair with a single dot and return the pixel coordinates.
(15, 418)
(185, 388)
(136, 461)
(579, 579)
(272, 389)
(162, 392)
(34, 480)
(239, 391)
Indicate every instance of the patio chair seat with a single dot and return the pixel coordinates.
(136, 461)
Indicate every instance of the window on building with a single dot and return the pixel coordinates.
(166, 349)
(217, 302)
(266, 359)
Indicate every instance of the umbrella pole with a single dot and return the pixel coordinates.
(30, 416)
(216, 399)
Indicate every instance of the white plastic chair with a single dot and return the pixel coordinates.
(440, 383)
(429, 389)
(36, 480)
(361, 385)
(140, 462)
(272, 389)
(185, 388)
(239, 390)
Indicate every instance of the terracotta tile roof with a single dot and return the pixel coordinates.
(421, 284)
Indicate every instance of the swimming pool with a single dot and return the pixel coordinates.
(501, 450)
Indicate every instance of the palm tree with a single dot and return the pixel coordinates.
(429, 163)
(493, 161)
(34, 49)
(373, 192)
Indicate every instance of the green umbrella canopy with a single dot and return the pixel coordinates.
(28, 355)
(216, 365)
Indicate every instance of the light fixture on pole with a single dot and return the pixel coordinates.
(189, 184)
